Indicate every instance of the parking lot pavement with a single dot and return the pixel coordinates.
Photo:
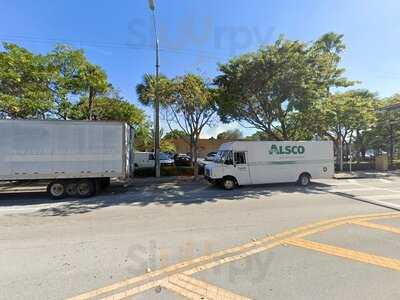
(325, 260)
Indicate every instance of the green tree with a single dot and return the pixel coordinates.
(234, 134)
(384, 134)
(188, 103)
(267, 88)
(175, 134)
(75, 75)
(259, 136)
(24, 79)
(40, 86)
(344, 117)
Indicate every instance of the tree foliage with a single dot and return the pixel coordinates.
(265, 88)
(384, 134)
(75, 75)
(234, 134)
(188, 103)
(24, 79)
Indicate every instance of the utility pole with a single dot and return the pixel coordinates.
(391, 151)
(350, 157)
(341, 153)
(152, 7)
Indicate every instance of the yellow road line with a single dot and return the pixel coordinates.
(204, 289)
(378, 226)
(238, 252)
(183, 292)
(339, 222)
(376, 260)
(134, 291)
(229, 259)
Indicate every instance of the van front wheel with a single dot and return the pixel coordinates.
(304, 179)
(229, 183)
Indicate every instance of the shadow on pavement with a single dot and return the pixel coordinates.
(167, 194)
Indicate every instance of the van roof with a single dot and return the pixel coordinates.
(230, 145)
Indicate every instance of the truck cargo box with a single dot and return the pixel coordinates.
(33, 149)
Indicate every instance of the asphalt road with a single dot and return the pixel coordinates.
(191, 240)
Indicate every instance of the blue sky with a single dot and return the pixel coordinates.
(197, 34)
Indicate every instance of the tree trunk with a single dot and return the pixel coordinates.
(92, 94)
(195, 165)
(193, 150)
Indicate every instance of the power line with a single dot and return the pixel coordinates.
(115, 45)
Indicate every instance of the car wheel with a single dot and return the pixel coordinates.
(304, 179)
(56, 190)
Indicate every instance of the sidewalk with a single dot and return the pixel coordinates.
(147, 181)
(366, 174)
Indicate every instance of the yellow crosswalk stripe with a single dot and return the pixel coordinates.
(183, 284)
(376, 260)
(134, 291)
(378, 226)
(183, 292)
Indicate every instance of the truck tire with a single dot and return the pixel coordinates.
(56, 190)
(304, 179)
(229, 183)
(85, 188)
(71, 189)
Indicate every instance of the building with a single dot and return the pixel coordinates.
(205, 146)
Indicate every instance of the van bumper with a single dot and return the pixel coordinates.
(213, 180)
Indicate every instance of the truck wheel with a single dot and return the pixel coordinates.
(229, 183)
(56, 189)
(71, 189)
(85, 188)
(304, 179)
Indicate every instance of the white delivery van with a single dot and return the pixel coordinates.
(259, 162)
(147, 160)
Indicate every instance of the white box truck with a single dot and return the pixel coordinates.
(73, 157)
(259, 162)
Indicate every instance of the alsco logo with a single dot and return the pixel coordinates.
(286, 150)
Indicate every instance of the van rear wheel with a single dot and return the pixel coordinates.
(304, 179)
(229, 183)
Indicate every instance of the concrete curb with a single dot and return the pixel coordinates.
(361, 175)
(163, 180)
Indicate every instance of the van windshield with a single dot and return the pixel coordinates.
(164, 156)
(222, 155)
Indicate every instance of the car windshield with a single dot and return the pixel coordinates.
(164, 156)
(221, 156)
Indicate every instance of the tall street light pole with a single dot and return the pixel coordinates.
(152, 7)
